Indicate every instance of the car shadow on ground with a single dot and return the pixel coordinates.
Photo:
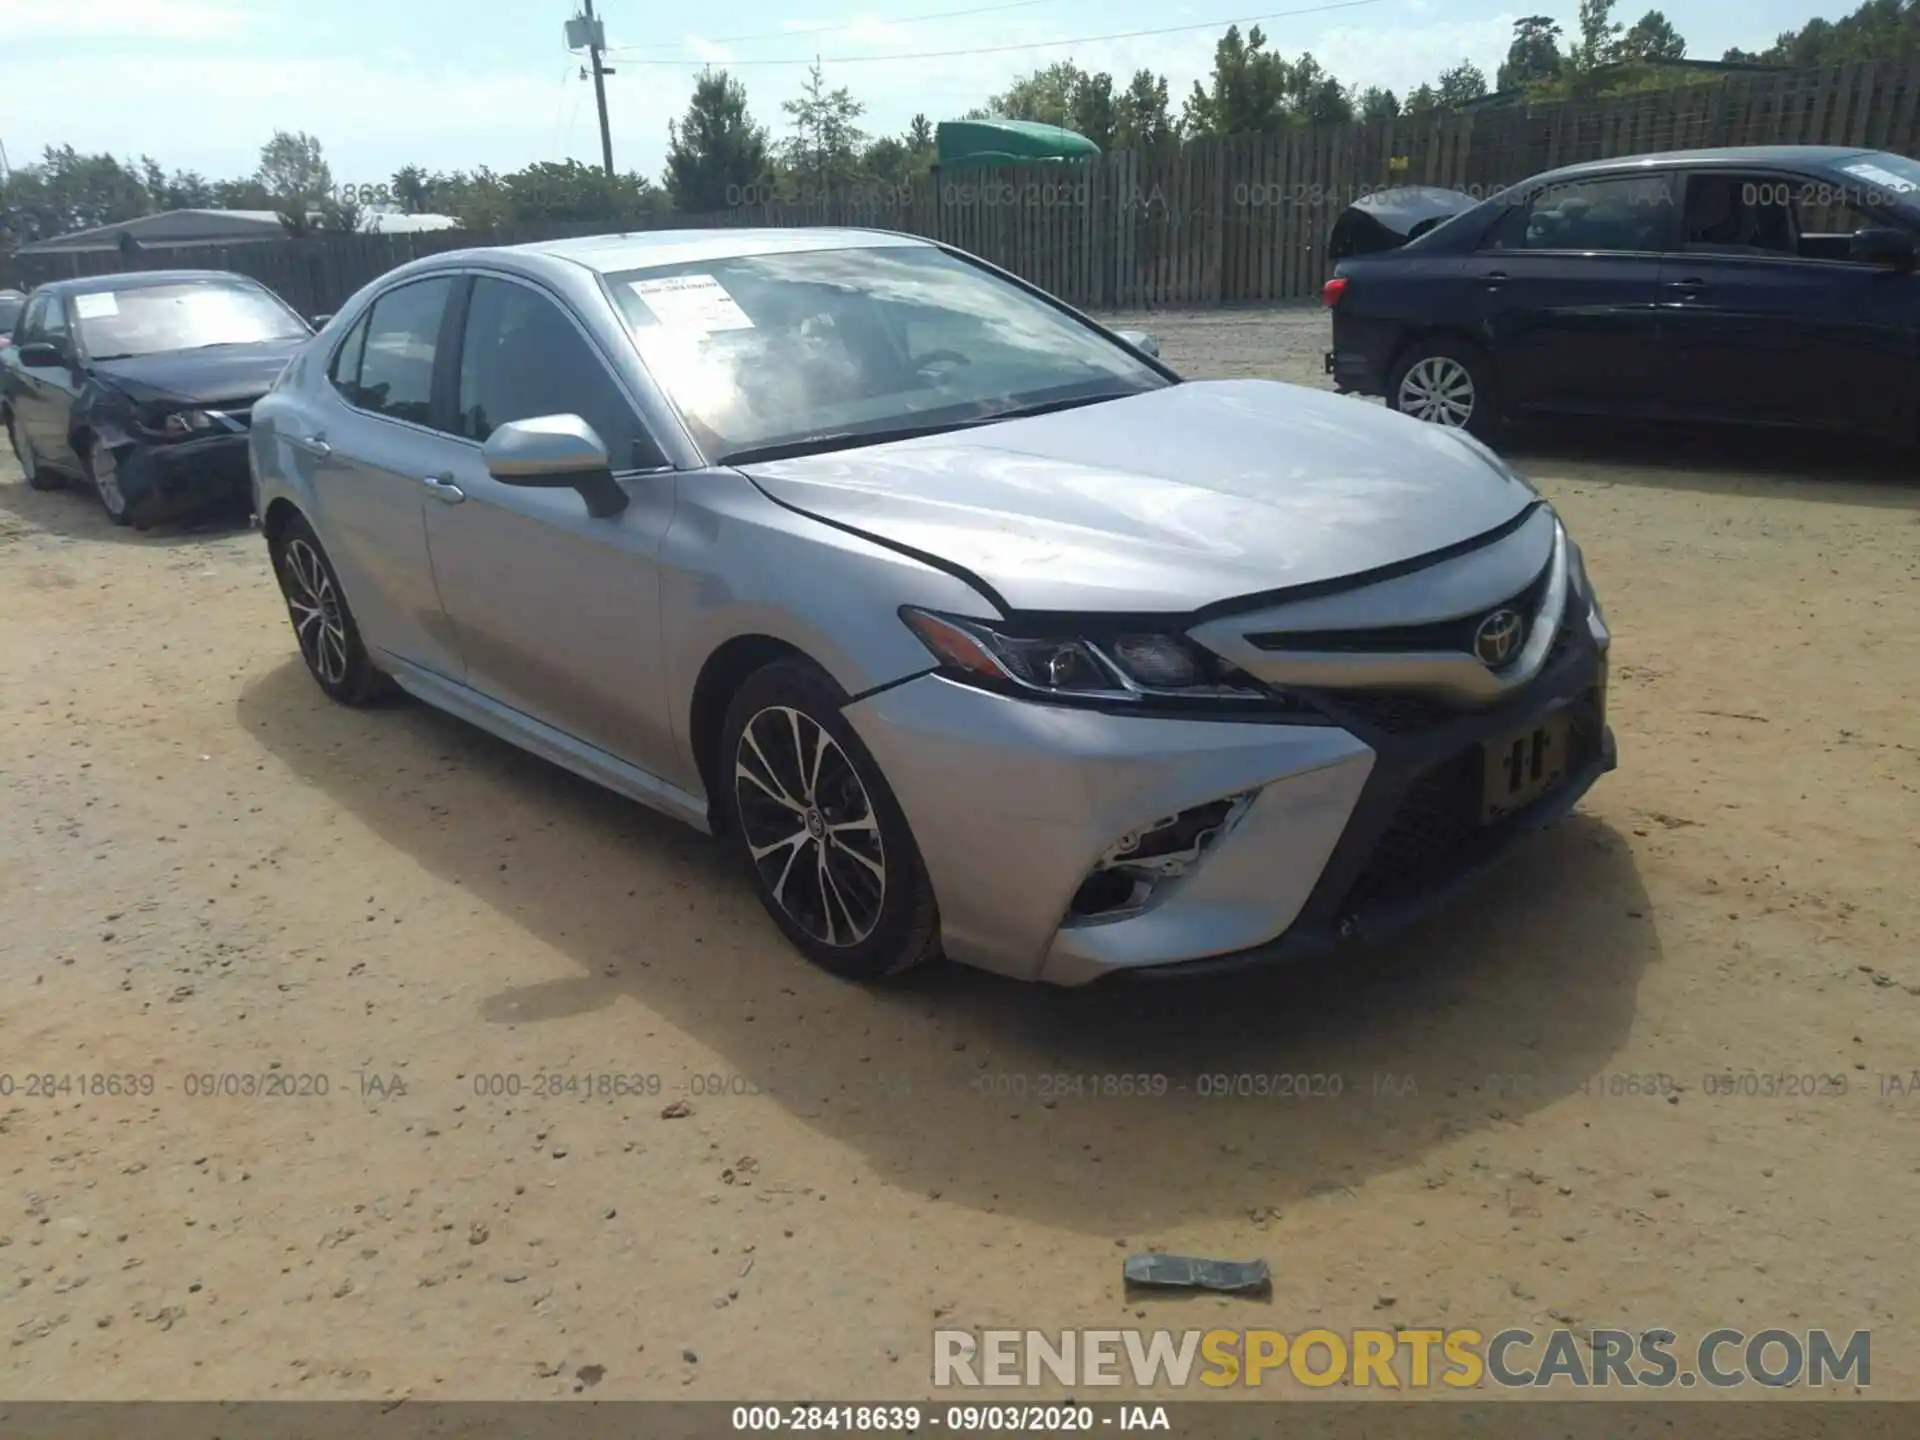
(73, 513)
(1838, 470)
(939, 1082)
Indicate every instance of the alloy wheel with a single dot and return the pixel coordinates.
(1439, 390)
(314, 604)
(106, 480)
(810, 826)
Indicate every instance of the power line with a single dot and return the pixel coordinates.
(833, 29)
(1026, 45)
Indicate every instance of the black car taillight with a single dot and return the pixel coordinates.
(1331, 292)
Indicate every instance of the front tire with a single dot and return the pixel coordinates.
(1449, 383)
(38, 477)
(323, 625)
(103, 469)
(812, 819)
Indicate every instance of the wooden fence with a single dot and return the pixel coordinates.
(1233, 221)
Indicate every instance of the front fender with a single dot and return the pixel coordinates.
(736, 564)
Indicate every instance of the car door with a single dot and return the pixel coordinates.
(370, 443)
(556, 613)
(43, 394)
(1566, 291)
(1765, 318)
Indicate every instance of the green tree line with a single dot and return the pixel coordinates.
(719, 156)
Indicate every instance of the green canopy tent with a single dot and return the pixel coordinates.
(976, 144)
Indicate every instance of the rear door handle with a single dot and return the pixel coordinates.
(1493, 278)
(314, 445)
(1692, 282)
(442, 488)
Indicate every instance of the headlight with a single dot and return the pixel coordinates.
(1130, 667)
(178, 424)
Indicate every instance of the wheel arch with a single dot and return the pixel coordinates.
(1425, 334)
(719, 680)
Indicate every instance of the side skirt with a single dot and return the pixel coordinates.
(556, 746)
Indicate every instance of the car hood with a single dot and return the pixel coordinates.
(1164, 502)
(222, 372)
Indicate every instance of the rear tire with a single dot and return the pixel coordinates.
(811, 818)
(1447, 382)
(38, 477)
(323, 625)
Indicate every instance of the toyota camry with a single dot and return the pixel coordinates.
(969, 625)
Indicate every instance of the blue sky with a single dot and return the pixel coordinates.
(203, 83)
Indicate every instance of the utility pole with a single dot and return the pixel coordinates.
(596, 37)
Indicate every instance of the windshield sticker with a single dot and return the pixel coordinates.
(96, 307)
(691, 302)
(1886, 179)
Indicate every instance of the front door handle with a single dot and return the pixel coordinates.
(442, 488)
(1691, 282)
(314, 445)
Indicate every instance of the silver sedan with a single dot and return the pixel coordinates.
(969, 625)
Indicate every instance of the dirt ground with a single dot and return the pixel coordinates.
(209, 871)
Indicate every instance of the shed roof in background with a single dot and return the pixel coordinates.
(172, 228)
(963, 144)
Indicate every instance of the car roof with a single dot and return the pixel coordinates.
(609, 254)
(135, 280)
(1816, 157)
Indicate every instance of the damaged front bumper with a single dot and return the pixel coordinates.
(165, 479)
(1280, 841)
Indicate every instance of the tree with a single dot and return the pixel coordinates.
(1878, 30)
(1142, 114)
(1422, 101)
(1091, 109)
(294, 172)
(1044, 96)
(920, 135)
(1377, 104)
(899, 160)
(66, 191)
(1463, 83)
(1652, 37)
(1247, 92)
(1599, 42)
(824, 149)
(1534, 56)
(1314, 96)
(715, 153)
(571, 191)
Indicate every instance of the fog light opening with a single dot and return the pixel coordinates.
(1143, 860)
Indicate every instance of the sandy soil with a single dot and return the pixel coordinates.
(209, 871)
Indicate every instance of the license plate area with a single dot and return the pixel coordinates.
(1522, 767)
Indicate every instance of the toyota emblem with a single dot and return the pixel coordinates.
(1496, 639)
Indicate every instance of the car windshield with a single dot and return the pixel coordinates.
(817, 348)
(10, 308)
(149, 319)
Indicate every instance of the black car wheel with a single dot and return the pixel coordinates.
(810, 816)
(322, 624)
(103, 468)
(37, 475)
(1446, 382)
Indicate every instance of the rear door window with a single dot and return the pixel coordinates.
(396, 363)
(1633, 214)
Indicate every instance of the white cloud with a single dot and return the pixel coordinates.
(197, 20)
(710, 52)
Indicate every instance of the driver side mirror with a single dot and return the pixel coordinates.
(1141, 341)
(319, 322)
(555, 452)
(1881, 245)
(41, 356)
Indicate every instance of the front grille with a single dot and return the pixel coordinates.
(1392, 712)
(1454, 634)
(1436, 835)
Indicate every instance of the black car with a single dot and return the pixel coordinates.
(143, 385)
(1388, 219)
(1770, 286)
